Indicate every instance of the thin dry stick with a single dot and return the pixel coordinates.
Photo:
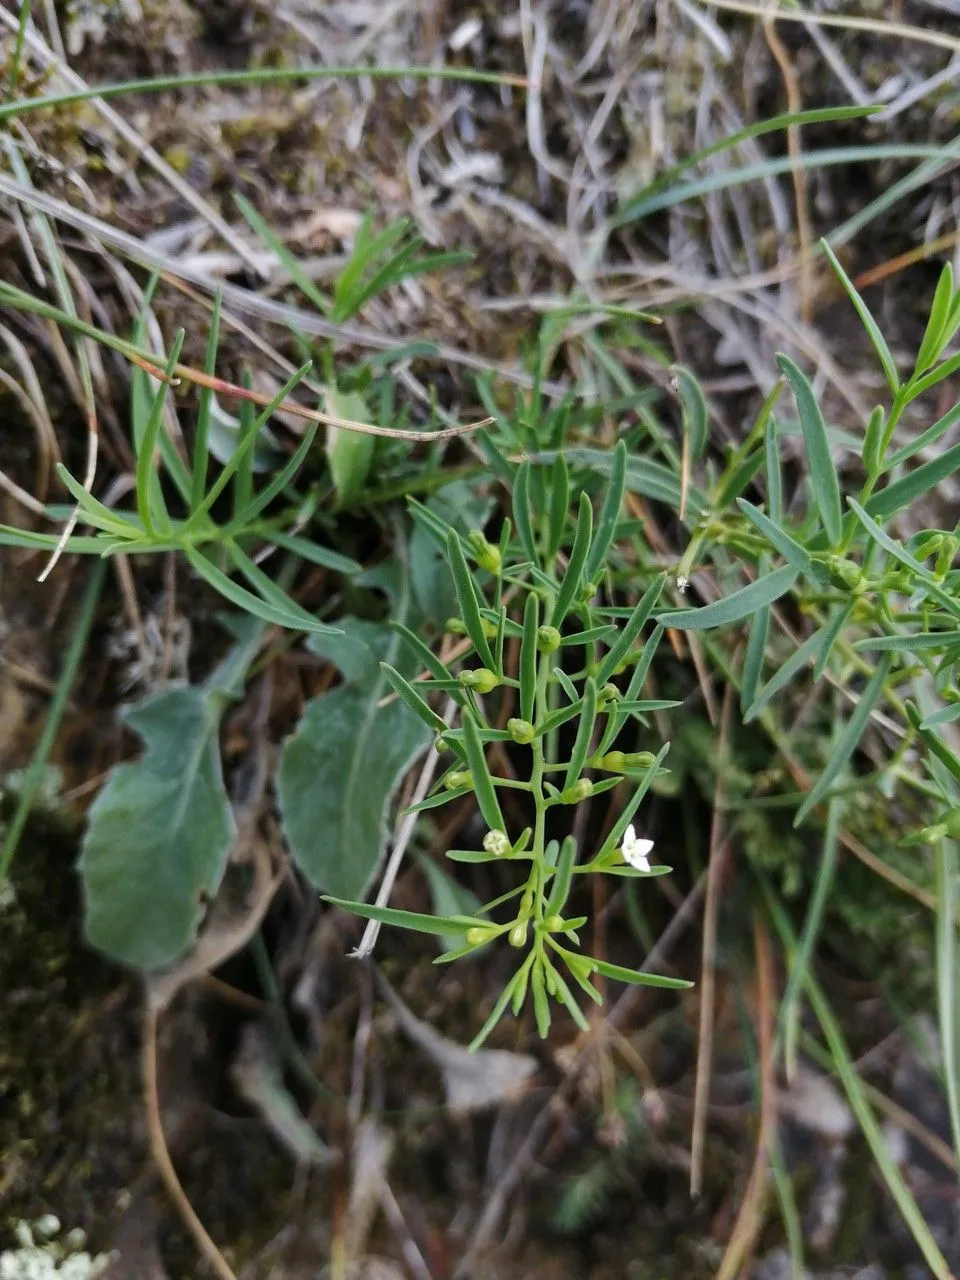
(750, 1218)
(404, 832)
(800, 192)
(160, 1152)
(719, 851)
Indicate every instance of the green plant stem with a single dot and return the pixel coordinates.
(71, 664)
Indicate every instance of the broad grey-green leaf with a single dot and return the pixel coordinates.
(343, 763)
(159, 833)
(348, 452)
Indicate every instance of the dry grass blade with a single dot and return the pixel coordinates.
(749, 1222)
(719, 854)
(851, 22)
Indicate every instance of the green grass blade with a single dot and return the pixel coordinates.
(246, 516)
(286, 258)
(802, 958)
(246, 600)
(848, 739)
(150, 503)
(33, 777)
(948, 978)
(774, 124)
(201, 448)
(255, 75)
(853, 1087)
(823, 474)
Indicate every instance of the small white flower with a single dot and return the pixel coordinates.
(636, 851)
(682, 583)
(497, 843)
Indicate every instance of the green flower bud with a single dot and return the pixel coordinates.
(521, 731)
(484, 553)
(580, 790)
(455, 626)
(548, 639)
(482, 680)
(480, 933)
(497, 843)
(459, 778)
(526, 902)
(554, 924)
(518, 934)
(845, 573)
(639, 760)
(606, 694)
(588, 591)
(612, 762)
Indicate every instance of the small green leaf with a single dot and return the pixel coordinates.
(734, 607)
(294, 618)
(887, 362)
(480, 772)
(246, 514)
(467, 600)
(946, 715)
(159, 833)
(581, 746)
(831, 632)
(932, 344)
(628, 636)
(609, 514)
(902, 492)
(823, 475)
(573, 578)
(559, 507)
(449, 897)
(306, 549)
(528, 658)
(562, 877)
(523, 512)
(350, 453)
(782, 677)
(771, 449)
(696, 418)
(499, 1007)
(406, 692)
(635, 978)
(150, 503)
(779, 539)
(872, 452)
(753, 658)
(916, 642)
(847, 741)
(418, 921)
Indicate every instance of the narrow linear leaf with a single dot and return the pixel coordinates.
(693, 403)
(559, 506)
(406, 692)
(415, 920)
(573, 578)
(523, 512)
(806, 653)
(831, 633)
(753, 658)
(628, 636)
(483, 783)
(635, 978)
(779, 539)
(467, 599)
(884, 355)
(823, 475)
(917, 642)
(734, 607)
(581, 746)
(609, 514)
(847, 741)
(528, 658)
(902, 492)
(246, 600)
